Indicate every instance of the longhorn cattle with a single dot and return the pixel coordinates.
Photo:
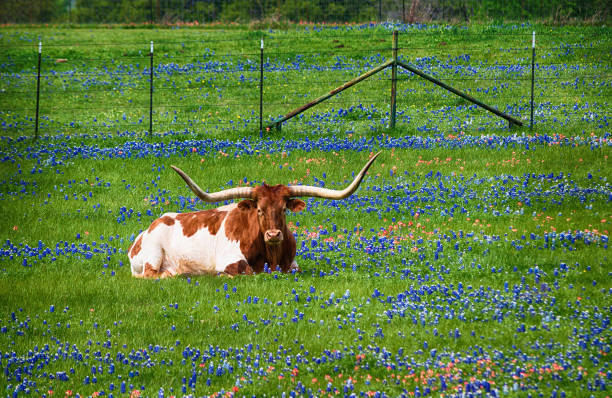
(239, 238)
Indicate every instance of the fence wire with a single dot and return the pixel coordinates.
(215, 83)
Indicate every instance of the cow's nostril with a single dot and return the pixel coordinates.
(274, 235)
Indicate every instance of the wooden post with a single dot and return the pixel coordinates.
(277, 124)
(38, 89)
(509, 118)
(394, 81)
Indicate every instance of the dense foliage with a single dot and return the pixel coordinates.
(169, 11)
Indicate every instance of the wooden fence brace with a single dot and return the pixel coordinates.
(261, 63)
(533, 53)
(335, 91)
(394, 81)
(509, 118)
(393, 63)
(38, 89)
(151, 93)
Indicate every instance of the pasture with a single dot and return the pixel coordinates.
(472, 261)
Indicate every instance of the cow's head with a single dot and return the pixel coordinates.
(272, 202)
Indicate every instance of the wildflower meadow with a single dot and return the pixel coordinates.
(471, 262)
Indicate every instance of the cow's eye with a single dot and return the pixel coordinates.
(259, 213)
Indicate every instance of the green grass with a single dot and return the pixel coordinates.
(137, 313)
(105, 315)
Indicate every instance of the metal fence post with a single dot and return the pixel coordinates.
(151, 93)
(38, 89)
(532, 75)
(261, 63)
(394, 81)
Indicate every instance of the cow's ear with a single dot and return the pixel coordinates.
(247, 204)
(295, 205)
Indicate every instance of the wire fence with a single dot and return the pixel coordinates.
(215, 83)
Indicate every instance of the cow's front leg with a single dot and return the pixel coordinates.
(150, 272)
(238, 268)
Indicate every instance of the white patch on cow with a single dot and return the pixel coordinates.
(169, 251)
(137, 265)
(228, 208)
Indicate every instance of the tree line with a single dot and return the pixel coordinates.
(206, 11)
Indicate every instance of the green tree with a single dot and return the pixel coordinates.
(40, 11)
(302, 10)
(133, 11)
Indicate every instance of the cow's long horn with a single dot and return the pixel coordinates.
(232, 193)
(318, 192)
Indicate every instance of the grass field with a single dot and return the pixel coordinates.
(472, 261)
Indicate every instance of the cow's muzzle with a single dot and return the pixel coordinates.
(273, 237)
